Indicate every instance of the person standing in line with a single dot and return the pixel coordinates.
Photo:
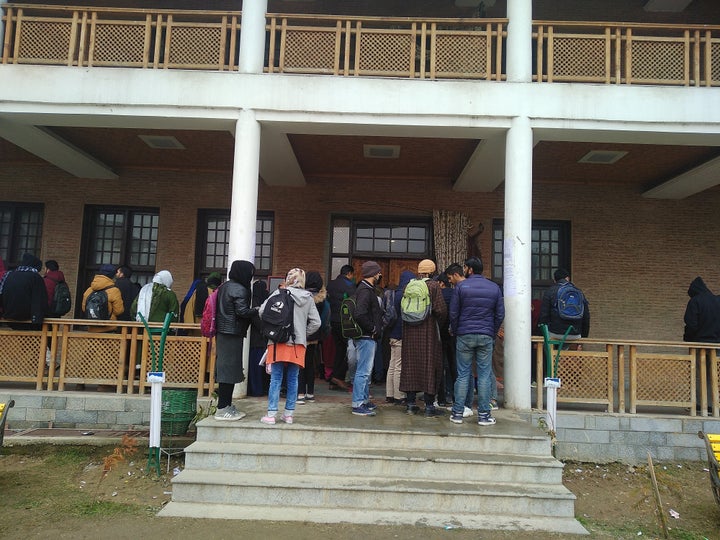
(103, 280)
(306, 384)
(291, 354)
(422, 350)
(456, 275)
(157, 299)
(368, 316)
(258, 380)
(392, 383)
(338, 289)
(128, 290)
(232, 320)
(550, 314)
(53, 276)
(702, 314)
(23, 294)
(477, 310)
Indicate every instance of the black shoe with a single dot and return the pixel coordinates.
(432, 412)
(412, 409)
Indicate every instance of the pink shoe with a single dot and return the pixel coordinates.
(287, 419)
(270, 420)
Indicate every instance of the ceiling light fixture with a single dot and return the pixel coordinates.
(381, 151)
(602, 157)
(162, 142)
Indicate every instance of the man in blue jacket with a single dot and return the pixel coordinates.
(476, 312)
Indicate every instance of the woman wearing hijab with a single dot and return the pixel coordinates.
(157, 299)
(234, 313)
(306, 321)
(257, 377)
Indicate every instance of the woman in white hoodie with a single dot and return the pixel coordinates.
(290, 355)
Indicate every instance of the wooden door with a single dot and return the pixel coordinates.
(390, 268)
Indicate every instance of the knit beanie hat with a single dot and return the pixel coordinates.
(426, 266)
(107, 270)
(560, 273)
(369, 269)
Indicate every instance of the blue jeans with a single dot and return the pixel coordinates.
(474, 348)
(365, 349)
(276, 378)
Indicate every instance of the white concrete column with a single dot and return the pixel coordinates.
(243, 209)
(252, 37)
(519, 41)
(517, 284)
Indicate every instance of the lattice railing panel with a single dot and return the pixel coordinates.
(118, 44)
(460, 54)
(19, 356)
(194, 47)
(45, 42)
(312, 50)
(715, 62)
(583, 375)
(388, 53)
(579, 57)
(180, 361)
(664, 379)
(655, 61)
(92, 358)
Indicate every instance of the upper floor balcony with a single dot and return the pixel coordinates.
(470, 48)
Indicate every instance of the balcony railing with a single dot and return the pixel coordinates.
(657, 376)
(598, 52)
(104, 358)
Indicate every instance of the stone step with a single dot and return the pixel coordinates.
(379, 462)
(329, 514)
(469, 437)
(371, 494)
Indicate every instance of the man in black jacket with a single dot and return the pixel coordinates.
(549, 314)
(702, 314)
(338, 289)
(368, 315)
(23, 293)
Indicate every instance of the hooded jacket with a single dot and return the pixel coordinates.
(234, 311)
(702, 314)
(115, 302)
(52, 278)
(156, 299)
(405, 277)
(306, 319)
(24, 296)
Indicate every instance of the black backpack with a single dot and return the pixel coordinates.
(348, 325)
(277, 318)
(97, 306)
(61, 300)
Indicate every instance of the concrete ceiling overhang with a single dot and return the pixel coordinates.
(54, 149)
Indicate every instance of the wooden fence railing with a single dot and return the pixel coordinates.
(119, 359)
(597, 52)
(675, 377)
(624, 53)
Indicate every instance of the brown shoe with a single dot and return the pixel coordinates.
(340, 384)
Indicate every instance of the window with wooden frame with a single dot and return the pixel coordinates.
(214, 237)
(20, 231)
(550, 249)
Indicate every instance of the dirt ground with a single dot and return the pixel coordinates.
(84, 492)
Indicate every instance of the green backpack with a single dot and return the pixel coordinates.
(415, 304)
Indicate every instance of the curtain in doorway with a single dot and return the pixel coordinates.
(450, 237)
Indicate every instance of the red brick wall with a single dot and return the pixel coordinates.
(633, 257)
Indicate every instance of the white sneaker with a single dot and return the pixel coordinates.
(467, 412)
(229, 413)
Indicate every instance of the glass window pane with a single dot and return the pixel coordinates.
(416, 246)
(399, 246)
(363, 244)
(382, 245)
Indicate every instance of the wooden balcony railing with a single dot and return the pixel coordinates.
(104, 358)
(598, 52)
(618, 53)
(658, 376)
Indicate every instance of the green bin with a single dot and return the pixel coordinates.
(179, 407)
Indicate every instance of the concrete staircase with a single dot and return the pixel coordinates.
(332, 467)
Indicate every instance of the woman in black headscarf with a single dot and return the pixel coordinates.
(258, 379)
(234, 313)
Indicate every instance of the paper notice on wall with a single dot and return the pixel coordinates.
(510, 278)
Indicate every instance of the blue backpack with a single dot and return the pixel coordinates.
(570, 302)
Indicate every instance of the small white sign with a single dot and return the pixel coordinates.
(156, 376)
